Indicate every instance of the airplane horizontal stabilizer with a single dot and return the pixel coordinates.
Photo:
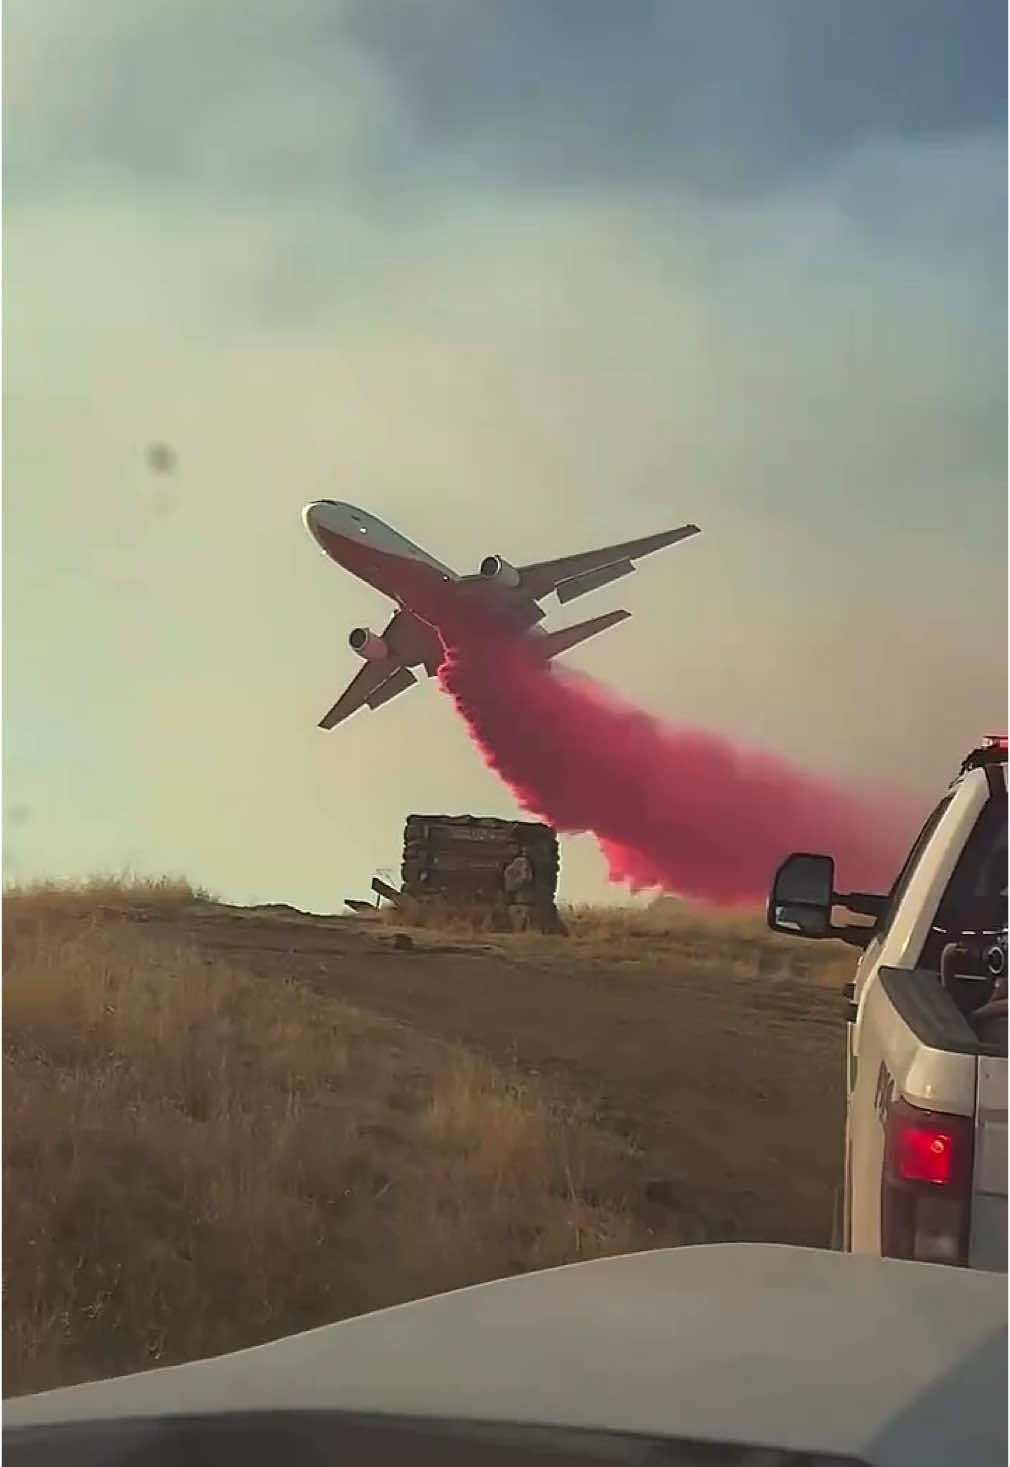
(551, 643)
(398, 682)
(372, 686)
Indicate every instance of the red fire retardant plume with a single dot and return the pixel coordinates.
(680, 809)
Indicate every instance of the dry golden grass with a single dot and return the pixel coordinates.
(44, 907)
(736, 941)
(197, 1160)
(451, 918)
(69, 898)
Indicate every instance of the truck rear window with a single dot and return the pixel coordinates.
(976, 898)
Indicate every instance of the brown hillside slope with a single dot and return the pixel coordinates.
(225, 1125)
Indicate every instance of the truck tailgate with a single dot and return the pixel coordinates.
(989, 1204)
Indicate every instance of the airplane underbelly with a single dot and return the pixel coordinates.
(396, 575)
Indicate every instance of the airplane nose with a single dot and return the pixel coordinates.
(320, 515)
(314, 519)
(324, 520)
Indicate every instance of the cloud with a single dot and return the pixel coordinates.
(722, 99)
(725, 98)
(235, 101)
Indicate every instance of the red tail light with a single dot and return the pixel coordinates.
(924, 1203)
(925, 1154)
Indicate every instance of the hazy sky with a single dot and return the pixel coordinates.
(516, 276)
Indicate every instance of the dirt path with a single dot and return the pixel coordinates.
(729, 1084)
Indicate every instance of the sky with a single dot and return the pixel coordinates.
(521, 279)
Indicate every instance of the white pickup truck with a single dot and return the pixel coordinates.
(925, 1158)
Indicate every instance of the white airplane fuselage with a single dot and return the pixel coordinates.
(372, 551)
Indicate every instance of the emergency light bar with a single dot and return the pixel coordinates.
(992, 750)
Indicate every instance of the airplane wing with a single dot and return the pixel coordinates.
(375, 683)
(573, 575)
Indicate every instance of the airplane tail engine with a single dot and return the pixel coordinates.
(493, 568)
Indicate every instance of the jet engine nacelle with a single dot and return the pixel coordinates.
(367, 645)
(493, 568)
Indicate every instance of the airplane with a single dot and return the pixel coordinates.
(408, 575)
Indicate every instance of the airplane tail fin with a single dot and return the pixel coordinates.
(552, 643)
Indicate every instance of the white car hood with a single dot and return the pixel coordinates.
(891, 1362)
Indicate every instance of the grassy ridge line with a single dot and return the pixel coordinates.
(69, 898)
(737, 942)
(195, 1160)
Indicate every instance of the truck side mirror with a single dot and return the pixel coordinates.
(802, 896)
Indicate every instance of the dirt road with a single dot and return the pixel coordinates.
(722, 1069)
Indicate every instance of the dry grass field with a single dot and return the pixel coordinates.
(222, 1125)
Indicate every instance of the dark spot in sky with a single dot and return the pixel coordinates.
(161, 458)
(17, 815)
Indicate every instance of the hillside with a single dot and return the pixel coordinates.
(223, 1125)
